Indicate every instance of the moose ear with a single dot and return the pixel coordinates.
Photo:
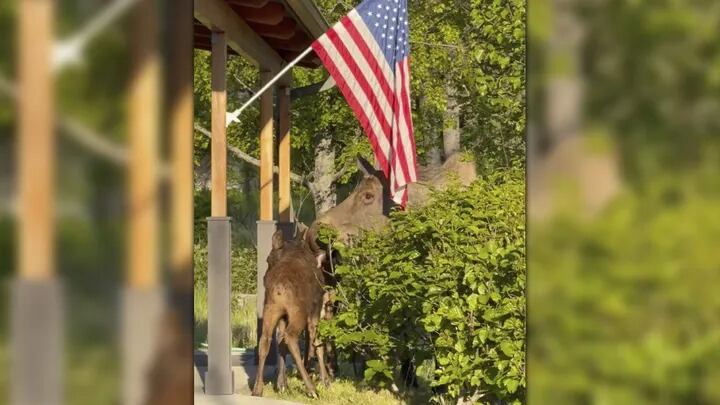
(320, 257)
(300, 230)
(365, 166)
(277, 240)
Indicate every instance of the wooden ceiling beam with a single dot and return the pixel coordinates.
(218, 15)
(284, 30)
(309, 16)
(250, 3)
(270, 14)
(298, 43)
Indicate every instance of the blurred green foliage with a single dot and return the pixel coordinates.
(622, 305)
(625, 309)
(445, 282)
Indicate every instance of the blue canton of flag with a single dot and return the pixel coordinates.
(387, 21)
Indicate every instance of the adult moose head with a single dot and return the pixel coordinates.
(369, 205)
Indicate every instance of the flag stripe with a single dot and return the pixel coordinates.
(378, 127)
(370, 50)
(380, 153)
(401, 129)
(407, 118)
(369, 68)
(408, 113)
(352, 74)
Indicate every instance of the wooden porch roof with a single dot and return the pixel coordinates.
(268, 32)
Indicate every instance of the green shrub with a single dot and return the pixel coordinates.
(243, 263)
(445, 282)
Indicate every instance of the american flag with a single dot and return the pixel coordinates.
(366, 53)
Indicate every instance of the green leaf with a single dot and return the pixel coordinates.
(507, 348)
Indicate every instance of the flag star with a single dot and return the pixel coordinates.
(385, 26)
(390, 37)
(405, 22)
(370, 13)
(386, 17)
(387, 7)
(377, 23)
(389, 46)
(379, 6)
(395, 10)
(393, 18)
(383, 35)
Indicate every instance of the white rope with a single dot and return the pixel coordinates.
(70, 51)
(233, 116)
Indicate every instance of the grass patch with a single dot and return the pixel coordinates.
(83, 385)
(243, 319)
(347, 389)
(341, 391)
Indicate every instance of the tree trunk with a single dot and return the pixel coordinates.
(564, 88)
(433, 153)
(323, 185)
(451, 122)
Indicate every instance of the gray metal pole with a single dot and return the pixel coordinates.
(36, 342)
(219, 379)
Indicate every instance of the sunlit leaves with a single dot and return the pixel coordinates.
(445, 282)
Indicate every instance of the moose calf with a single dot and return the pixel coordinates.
(293, 301)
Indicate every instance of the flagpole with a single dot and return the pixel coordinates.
(233, 116)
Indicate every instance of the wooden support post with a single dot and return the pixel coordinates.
(266, 150)
(144, 100)
(180, 99)
(218, 153)
(36, 295)
(285, 213)
(142, 300)
(219, 377)
(36, 141)
(265, 225)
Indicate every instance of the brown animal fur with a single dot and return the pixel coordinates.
(368, 206)
(293, 301)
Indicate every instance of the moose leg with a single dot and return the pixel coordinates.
(320, 350)
(331, 355)
(309, 353)
(317, 347)
(270, 318)
(329, 308)
(310, 334)
(295, 325)
(282, 347)
(409, 373)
